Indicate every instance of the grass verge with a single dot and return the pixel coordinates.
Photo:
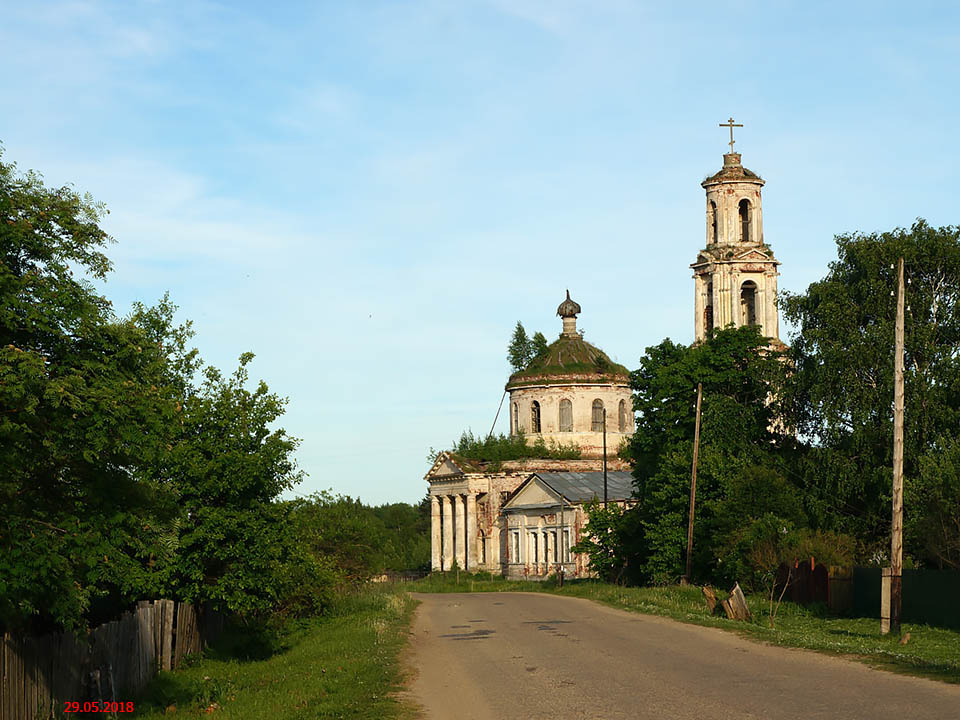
(931, 652)
(345, 665)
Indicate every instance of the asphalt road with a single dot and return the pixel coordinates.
(490, 656)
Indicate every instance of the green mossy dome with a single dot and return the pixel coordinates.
(570, 358)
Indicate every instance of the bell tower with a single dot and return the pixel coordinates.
(735, 275)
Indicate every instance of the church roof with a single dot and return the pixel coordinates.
(569, 308)
(573, 487)
(582, 486)
(732, 171)
(567, 357)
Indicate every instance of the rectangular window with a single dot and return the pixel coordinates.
(534, 548)
(566, 416)
(597, 416)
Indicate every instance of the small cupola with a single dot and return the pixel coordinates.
(569, 310)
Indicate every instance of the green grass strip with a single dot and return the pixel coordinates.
(345, 665)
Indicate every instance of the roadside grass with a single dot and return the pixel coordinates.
(344, 665)
(931, 652)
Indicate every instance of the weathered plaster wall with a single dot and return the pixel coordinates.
(581, 395)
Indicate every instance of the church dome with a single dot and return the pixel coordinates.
(568, 308)
(570, 358)
(732, 171)
(572, 394)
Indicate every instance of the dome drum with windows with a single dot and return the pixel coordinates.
(563, 395)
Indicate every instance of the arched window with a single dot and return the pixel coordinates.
(714, 229)
(535, 417)
(748, 303)
(566, 416)
(597, 416)
(745, 221)
(622, 416)
(708, 310)
(516, 419)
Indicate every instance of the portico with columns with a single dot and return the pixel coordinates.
(467, 515)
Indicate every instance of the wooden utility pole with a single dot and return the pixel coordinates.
(604, 458)
(693, 488)
(896, 536)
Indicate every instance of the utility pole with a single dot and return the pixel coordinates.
(604, 458)
(896, 536)
(693, 488)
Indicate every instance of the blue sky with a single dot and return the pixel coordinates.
(369, 195)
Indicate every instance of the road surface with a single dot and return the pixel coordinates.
(492, 656)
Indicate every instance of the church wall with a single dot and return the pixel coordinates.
(544, 537)
(487, 548)
(581, 397)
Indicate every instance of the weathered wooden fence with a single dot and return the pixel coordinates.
(112, 663)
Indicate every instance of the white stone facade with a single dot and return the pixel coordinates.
(582, 430)
(467, 525)
(736, 273)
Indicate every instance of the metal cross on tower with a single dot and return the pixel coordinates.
(731, 124)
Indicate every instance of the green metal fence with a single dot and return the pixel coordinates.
(929, 596)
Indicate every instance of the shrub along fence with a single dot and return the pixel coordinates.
(111, 664)
(929, 596)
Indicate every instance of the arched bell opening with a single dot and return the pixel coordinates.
(714, 230)
(748, 303)
(744, 209)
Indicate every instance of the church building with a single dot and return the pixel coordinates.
(520, 518)
(736, 273)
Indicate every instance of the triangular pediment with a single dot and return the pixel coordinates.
(533, 491)
(753, 255)
(444, 466)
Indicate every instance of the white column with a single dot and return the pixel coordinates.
(471, 563)
(495, 540)
(698, 329)
(722, 310)
(460, 532)
(545, 535)
(447, 533)
(773, 305)
(527, 543)
(436, 540)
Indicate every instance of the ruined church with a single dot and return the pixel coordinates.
(521, 518)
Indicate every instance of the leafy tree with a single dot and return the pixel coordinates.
(120, 480)
(362, 540)
(843, 384)
(538, 346)
(608, 540)
(406, 532)
(85, 405)
(740, 430)
(933, 499)
(228, 468)
(519, 350)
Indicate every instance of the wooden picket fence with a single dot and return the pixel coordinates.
(112, 663)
